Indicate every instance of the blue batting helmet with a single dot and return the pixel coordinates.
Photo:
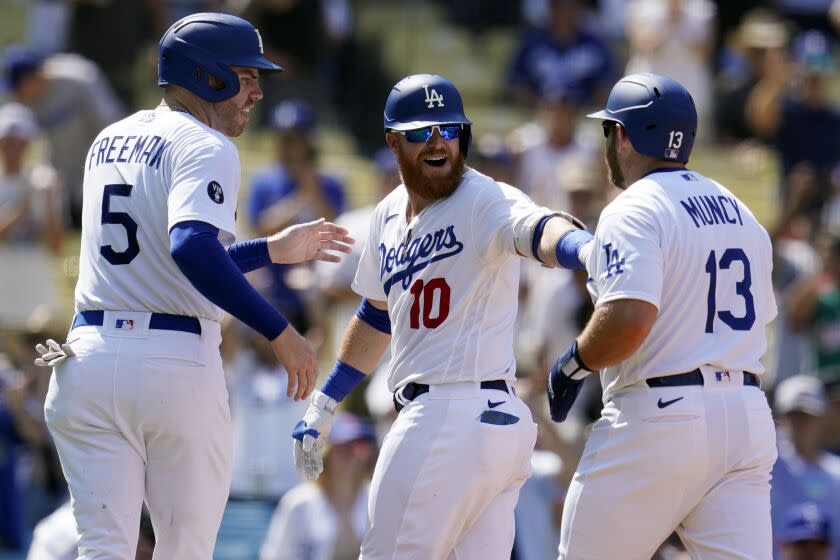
(209, 43)
(658, 114)
(423, 100)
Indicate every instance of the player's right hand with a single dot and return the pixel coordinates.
(300, 361)
(309, 241)
(52, 354)
(310, 436)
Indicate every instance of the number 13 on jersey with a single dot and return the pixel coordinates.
(742, 288)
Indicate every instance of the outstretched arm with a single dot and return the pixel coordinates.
(557, 239)
(298, 243)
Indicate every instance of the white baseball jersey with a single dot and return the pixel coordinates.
(451, 280)
(143, 175)
(687, 245)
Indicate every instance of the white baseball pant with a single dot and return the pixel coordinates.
(446, 483)
(700, 465)
(143, 414)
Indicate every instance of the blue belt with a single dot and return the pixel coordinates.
(693, 378)
(159, 321)
(413, 390)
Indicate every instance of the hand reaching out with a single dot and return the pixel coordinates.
(309, 241)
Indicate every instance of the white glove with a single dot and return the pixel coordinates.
(310, 435)
(53, 353)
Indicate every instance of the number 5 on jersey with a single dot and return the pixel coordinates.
(426, 295)
(122, 219)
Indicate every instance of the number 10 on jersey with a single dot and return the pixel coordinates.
(425, 294)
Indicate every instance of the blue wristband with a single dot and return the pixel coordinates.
(376, 318)
(568, 248)
(341, 381)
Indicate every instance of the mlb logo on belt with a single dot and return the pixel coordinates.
(125, 324)
(722, 376)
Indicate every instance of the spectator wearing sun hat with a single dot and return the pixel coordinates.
(326, 519)
(803, 472)
(30, 197)
(71, 101)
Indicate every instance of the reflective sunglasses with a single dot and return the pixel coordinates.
(446, 131)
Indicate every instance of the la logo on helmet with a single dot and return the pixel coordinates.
(433, 97)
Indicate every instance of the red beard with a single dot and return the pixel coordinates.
(430, 188)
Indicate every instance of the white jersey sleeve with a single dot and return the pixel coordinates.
(499, 215)
(367, 282)
(626, 257)
(205, 184)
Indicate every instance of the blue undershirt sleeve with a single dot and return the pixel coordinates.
(196, 250)
(250, 255)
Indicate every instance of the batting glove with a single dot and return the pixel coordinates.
(53, 353)
(310, 435)
(564, 382)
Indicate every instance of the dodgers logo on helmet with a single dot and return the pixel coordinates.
(209, 43)
(657, 113)
(422, 100)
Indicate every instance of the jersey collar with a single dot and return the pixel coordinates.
(664, 170)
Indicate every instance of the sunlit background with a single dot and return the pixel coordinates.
(762, 73)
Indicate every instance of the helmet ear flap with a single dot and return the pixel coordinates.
(186, 69)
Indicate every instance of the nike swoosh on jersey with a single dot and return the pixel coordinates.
(662, 404)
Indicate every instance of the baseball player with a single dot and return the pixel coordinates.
(680, 275)
(141, 411)
(439, 277)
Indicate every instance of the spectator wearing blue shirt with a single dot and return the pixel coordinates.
(562, 54)
(803, 472)
(292, 191)
(805, 534)
(800, 120)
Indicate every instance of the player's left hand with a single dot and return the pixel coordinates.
(309, 241)
(52, 354)
(564, 382)
(300, 361)
(310, 436)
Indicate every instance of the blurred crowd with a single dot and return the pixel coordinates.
(764, 78)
